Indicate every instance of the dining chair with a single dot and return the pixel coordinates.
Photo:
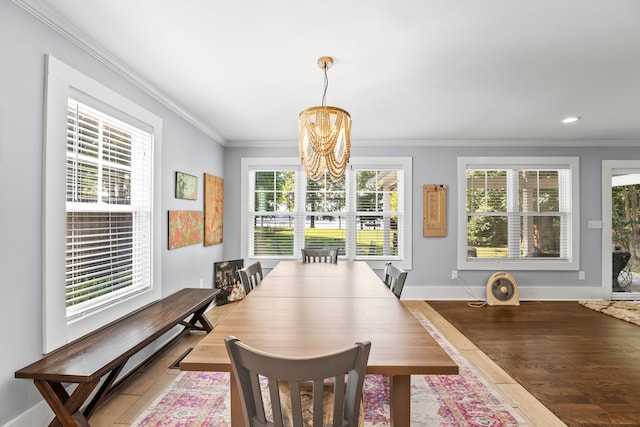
(394, 278)
(251, 276)
(320, 255)
(315, 391)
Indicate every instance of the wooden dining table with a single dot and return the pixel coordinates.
(309, 309)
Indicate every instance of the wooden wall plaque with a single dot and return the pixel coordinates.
(434, 210)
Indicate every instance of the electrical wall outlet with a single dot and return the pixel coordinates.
(454, 274)
(581, 275)
(202, 283)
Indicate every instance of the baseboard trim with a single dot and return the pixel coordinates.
(538, 293)
(38, 415)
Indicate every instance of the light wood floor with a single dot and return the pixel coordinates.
(142, 388)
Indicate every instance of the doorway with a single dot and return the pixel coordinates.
(620, 229)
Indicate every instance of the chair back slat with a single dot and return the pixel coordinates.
(320, 255)
(274, 398)
(251, 276)
(394, 278)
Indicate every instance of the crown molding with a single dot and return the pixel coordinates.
(52, 19)
(495, 143)
(449, 143)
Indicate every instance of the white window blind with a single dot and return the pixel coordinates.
(379, 220)
(272, 215)
(522, 213)
(362, 215)
(517, 213)
(109, 204)
(325, 220)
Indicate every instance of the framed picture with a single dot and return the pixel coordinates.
(225, 278)
(185, 228)
(213, 209)
(186, 186)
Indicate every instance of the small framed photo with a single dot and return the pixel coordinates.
(186, 186)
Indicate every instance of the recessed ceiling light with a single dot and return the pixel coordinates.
(571, 119)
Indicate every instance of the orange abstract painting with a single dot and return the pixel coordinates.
(185, 228)
(213, 209)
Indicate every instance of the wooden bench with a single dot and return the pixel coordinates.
(105, 352)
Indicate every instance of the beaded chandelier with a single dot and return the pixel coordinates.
(325, 136)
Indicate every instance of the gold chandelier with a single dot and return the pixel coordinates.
(325, 136)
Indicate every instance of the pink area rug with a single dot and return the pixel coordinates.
(202, 399)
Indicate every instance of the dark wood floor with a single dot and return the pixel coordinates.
(583, 365)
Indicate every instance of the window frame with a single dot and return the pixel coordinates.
(62, 82)
(362, 163)
(573, 239)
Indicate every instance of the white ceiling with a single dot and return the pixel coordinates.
(412, 71)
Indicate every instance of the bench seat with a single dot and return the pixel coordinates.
(87, 360)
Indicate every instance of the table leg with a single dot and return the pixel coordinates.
(400, 396)
(237, 416)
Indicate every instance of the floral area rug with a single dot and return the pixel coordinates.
(202, 399)
(625, 310)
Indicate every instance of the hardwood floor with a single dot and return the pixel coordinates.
(583, 365)
(141, 389)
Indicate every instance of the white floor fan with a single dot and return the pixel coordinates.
(502, 289)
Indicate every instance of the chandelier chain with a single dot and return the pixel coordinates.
(326, 84)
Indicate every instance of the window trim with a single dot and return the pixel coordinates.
(404, 163)
(61, 81)
(570, 163)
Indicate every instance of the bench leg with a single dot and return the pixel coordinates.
(65, 407)
(198, 316)
(104, 390)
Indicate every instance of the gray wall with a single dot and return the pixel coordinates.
(24, 41)
(435, 258)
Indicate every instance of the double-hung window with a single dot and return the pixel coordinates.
(325, 214)
(108, 187)
(101, 208)
(380, 216)
(272, 216)
(365, 215)
(518, 213)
